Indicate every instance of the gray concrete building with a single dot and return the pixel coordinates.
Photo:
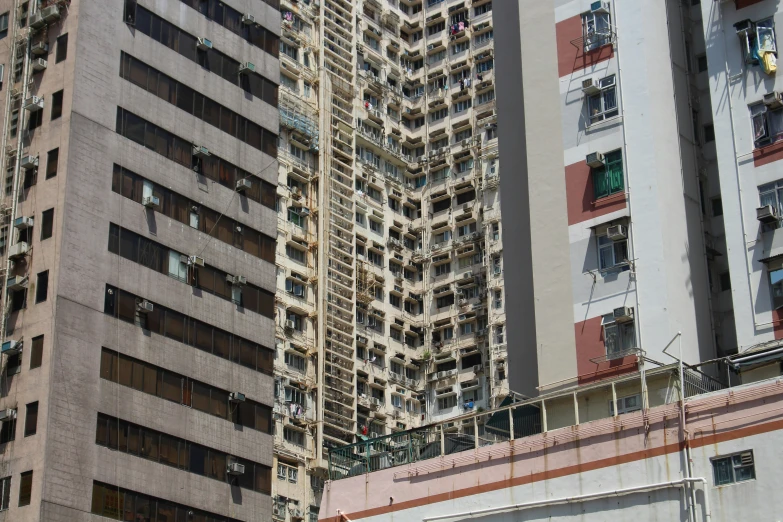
(139, 146)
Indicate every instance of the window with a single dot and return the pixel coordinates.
(294, 436)
(52, 158)
(462, 106)
(395, 300)
(5, 491)
(484, 37)
(35, 120)
(460, 47)
(725, 282)
(36, 352)
(295, 287)
(294, 361)
(483, 8)
(4, 25)
(396, 401)
(440, 270)
(8, 430)
(603, 105)
(62, 48)
(438, 115)
(495, 231)
(758, 40)
(767, 124)
(717, 207)
(287, 472)
(734, 468)
(25, 488)
(47, 223)
(596, 30)
(446, 403)
(295, 217)
(709, 133)
(297, 320)
(499, 337)
(772, 194)
(485, 97)
(447, 300)
(611, 253)
(31, 419)
(42, 287)
(701, 63)
(376, 226)
(466, 328)
(464, 166)
(608, 179)
(295, 253)
(485, 66)
(618, 337)
(626, 404)
(57, 105)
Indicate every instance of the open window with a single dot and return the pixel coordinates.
(607, 173)
(597, 26)
(759, 45)
(602, 99)
(619, 332)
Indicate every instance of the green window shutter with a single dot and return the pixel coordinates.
(614, 169)
(600, 182)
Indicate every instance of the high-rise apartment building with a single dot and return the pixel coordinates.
(390, 302)
(139, 146)
(605, 115)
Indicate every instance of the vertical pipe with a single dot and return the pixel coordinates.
(511, 423)
(543, 415)
(614, 400)
(475, 431)
(442, 441)
(643, 377)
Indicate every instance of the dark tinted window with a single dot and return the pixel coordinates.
(62, 48)
(47, 223)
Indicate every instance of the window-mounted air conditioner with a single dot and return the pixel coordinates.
(600, 7)
(12, 347)
(6, 415)
(623, 314)
(590, 87)
(247, 68)
(773, 100)
(616, 232)
(248, 19)
(40, 48)
(23, 222)
(51, 14)
(144, 306)
(243, 185)
(200, 151)
(34, 103)
(467, 275)
(766, 214)
(36, 20)
(290, 324)
(39, 64)
(236, 397)
(235, 468)
(29, 162)
(18, 250)
(236, 280)
(595, 160)
(150, 201)
(204, 44)
(196, 260)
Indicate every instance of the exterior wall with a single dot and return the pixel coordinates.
(63, 455)
(742, 167)
(598, 457)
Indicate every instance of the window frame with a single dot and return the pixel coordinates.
(597, 109)
(733, 468)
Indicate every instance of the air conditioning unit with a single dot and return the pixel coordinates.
(468, 274)
(236, 397)
(248, 19)
(462, 317)
(150, 201)
(589, 87)
(238, 280)
(235, 468)
(24, 222)
(247, 68)
(204, 44)
(304, 211)
(50, 14)
(623, 314)
(33, 104)
(18, 250)
(144, 306)
(289, 324)
(243, 185)
(278, 510)
(766, 214)
(362, 339)
(773, 100)
(29, 162)
(38, 64)
(11, 347)
(602, 7)
(296, 512)
(6, 415)
(616, 232)
(296, 192)
(743, 27)
(39, 48)
(430, 47)
(36, 20)
(196, 260)
(595, 160)
(200, 151)
(477, 368)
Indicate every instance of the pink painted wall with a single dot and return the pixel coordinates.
(590, 345)
(580, 198)
(570, 57)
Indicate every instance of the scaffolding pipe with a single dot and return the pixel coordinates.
(590, 496)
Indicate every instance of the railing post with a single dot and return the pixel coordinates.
(576, 410)
(475, 431)
(543, 416)
(614, 400)
(511, 423)
(442, 441)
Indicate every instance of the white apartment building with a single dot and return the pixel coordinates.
(390, 304)
(746, 108)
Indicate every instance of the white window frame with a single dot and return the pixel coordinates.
(603, 105)
(618, 337)
(615, 248)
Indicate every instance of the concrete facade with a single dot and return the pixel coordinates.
(618, 223)
(63, 453)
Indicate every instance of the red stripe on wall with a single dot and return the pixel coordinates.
(745, 3)
(580, 196)
(572, 58)
(768, 154)
(589, 336)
